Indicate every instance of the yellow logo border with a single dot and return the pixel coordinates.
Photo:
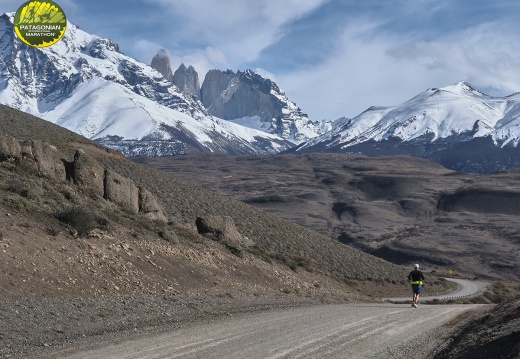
(40, 23)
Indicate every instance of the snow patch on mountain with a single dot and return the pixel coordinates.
(252, 122)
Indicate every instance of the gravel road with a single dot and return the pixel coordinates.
(465, 288)
(326, 331)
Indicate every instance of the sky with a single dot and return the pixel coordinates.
(334, 58)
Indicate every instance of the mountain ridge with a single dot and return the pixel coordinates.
(247, 98)
(435, 124)
(87, 84)
(60, 84)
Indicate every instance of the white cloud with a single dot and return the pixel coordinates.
(266, 74)
(357, 75)
(239, 28)
(370, 67)
(482, 55)
(201, 60)
(146, 48)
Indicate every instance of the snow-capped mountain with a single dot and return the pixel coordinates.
(245, 98)
(248, 99)
(439, 123)
(84, 83)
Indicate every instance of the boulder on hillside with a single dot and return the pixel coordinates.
(10, 149)
(27, 161)
(27, 150)
(88, 172)
(222, 229)
(48, 160)
(149, 206)
(121, 191)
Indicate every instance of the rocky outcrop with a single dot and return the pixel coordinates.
(48, 161)
(125, 193)
(187, 80)
(247, 95)
(10, 149)
(99, 47)
(149, 206)
(121, 191)
(217, 84)
(116, 188)
(44, 160)
(41, 157)
(27, 152)
(222, 229)
(230, 95)
(161, 62)
(88, 172)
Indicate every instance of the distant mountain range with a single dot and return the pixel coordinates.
(457, 126)
(244, 98)
(85, 84)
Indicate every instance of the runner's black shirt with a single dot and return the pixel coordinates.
(416, 275)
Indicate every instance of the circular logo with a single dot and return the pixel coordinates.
(40, 23)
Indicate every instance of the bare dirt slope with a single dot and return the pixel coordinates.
(73, 225)
(402, 209)
(494, 335)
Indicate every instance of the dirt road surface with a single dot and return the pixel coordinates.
(465, 289)
(327, 331)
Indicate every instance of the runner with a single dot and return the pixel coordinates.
(416, 277)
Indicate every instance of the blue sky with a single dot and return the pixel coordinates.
(332, 57)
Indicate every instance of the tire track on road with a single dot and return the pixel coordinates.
(328, 331)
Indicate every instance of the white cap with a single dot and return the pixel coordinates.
(416, 266)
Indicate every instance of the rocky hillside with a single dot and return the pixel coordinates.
(79, 223)
(65, 171)
(494, 335)
(402, 209)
